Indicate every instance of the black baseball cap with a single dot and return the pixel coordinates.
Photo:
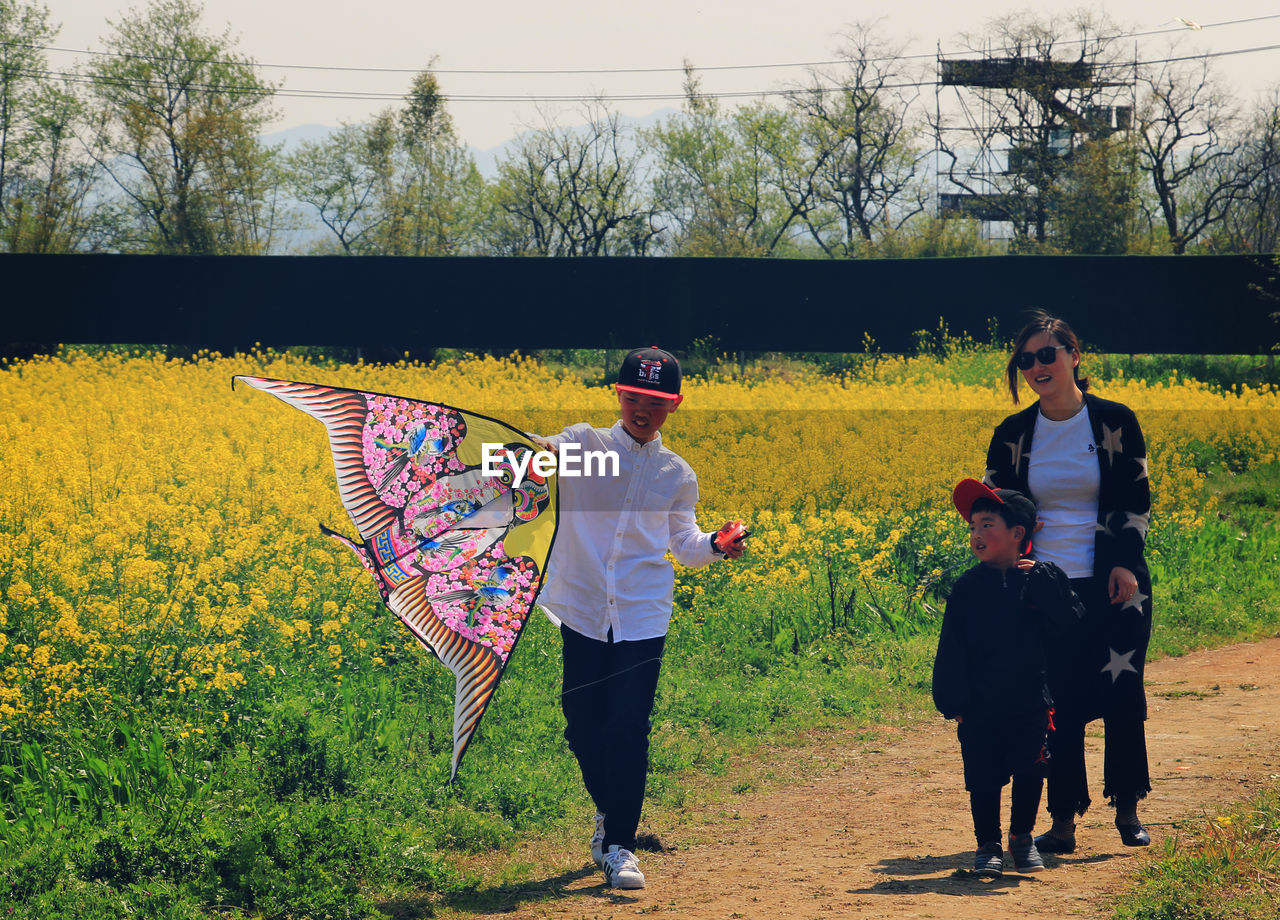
(651, 371)
(968, 491)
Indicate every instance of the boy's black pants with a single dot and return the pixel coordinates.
(984, 802)
(607, 699)
(995, 751)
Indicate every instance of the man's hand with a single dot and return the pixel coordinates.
(731, 539)
(544, 444)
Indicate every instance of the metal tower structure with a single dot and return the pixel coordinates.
(1014, 124)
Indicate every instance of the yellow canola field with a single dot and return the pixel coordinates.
(159, 540)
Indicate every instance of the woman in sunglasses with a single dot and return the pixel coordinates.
(1083, 461)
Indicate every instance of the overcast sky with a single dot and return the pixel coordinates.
(590, 34)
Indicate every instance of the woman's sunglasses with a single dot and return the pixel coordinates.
(1027, 359)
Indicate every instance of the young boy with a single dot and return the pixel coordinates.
(989, 673)
(609, 587)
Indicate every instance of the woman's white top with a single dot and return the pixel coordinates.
(1064, 478)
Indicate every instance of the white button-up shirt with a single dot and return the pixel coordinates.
(608, 568)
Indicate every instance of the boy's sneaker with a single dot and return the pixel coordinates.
(597, 841)
(988, 861)
(1023, 852)
(621, 870)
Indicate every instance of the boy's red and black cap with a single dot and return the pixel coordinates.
(968, 491)
(651, 371)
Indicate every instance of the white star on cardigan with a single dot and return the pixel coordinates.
(1015, 450)
(1136, 600)
(1142, 463)
(1139, 522)
(1119, 664)
(1111, 441)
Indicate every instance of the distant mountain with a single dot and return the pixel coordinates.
(486, 160)
(290, 138)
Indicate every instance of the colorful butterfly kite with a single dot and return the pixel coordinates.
(458, 555)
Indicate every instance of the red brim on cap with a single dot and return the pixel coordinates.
(646, 392)
(968, 491)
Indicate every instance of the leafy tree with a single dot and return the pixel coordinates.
(179, 115)
(731, 184)
(1095, 201)
(432, 208)
(24, 28)
(44, 180)
(927, 237)
(400, 184)
(573, 192)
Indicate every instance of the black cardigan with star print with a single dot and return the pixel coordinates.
(1124, 496)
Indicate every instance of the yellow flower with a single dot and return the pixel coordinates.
(181, 542)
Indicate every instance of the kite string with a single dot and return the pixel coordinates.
(610, 676)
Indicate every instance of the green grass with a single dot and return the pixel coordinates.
(1222, 867)
(1221, 583)
(319, 814)
(333, 800)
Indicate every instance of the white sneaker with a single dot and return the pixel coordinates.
(597, 841)
(621, 870)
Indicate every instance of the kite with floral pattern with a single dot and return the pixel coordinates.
(457, 555)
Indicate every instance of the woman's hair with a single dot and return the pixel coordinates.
(1058, 328)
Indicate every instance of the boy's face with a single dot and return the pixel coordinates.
(643, 415)
(993, 541)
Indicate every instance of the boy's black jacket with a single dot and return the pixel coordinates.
(991, 653)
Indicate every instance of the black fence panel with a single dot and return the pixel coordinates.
(1126, 304)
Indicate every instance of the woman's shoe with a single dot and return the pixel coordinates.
(1048, 843)
(1134, 835)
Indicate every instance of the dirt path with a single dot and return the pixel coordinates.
(882, 833)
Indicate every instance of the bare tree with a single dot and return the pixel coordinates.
(863, 144)
(574, 191)
(1186, 121)
(335, 178)
(1251, 222)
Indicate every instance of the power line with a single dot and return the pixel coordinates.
(623, 70)
(371, 96)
